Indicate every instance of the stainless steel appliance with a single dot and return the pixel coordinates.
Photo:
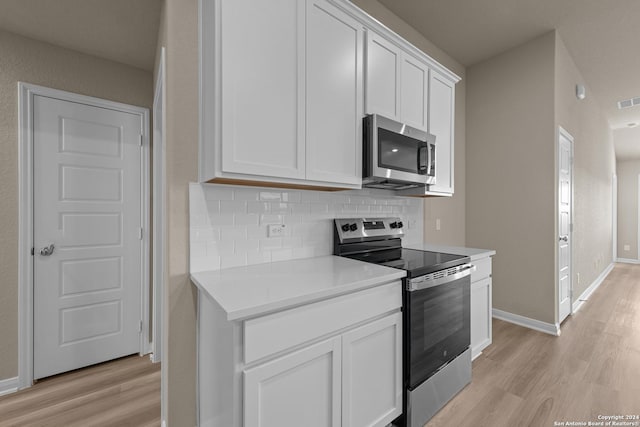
(436, 312)
(396, 156)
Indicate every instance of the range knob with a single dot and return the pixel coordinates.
(353, 227)
(400, 224)
(393, 225)
(345, 227)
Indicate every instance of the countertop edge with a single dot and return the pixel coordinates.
(245, 313)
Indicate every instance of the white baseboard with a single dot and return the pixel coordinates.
(537, 325)
(10, 385)
(628, 260)
(577, 304)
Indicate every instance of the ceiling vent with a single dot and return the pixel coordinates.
(627, 103)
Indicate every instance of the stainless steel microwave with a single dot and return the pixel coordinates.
(397, 156)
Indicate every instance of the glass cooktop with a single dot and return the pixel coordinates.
(415, 262)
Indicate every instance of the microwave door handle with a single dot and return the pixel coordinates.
(421, 155)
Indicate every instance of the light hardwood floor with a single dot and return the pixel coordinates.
(527, 378)
(123, 392)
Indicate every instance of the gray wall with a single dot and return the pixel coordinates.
(510, 174)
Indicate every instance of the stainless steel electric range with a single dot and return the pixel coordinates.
(436, 312)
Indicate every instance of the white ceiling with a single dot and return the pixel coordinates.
(124, 31)
(602, 37)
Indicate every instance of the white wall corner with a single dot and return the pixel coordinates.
(8, 386)
(577, 304)
(536, 325)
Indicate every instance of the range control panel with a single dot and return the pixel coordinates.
(363, 229)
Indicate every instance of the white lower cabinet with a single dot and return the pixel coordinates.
(372, 373)
(481, 306)
(332, 363)
(352, 380)
(301, 388)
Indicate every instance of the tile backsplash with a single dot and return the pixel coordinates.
(228, 224)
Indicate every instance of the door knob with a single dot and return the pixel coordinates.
(48, 250)
(564, 238)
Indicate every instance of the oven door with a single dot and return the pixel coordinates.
(437, 327)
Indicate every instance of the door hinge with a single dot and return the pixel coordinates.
(140, 140)
(140, 233)
(140, 327)
(33, 251)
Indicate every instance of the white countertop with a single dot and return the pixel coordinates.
(472, 253)
(253, 290)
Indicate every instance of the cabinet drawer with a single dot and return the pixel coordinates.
(276, 332)
(483, 269)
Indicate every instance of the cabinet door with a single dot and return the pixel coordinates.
(414, 94)
(441, 122)
(480, 316)
(382, 77)
(262, 107)
(372, 373)
(299, 389)
(334, 95)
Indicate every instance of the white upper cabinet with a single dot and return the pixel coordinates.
(382, 77)
(285, 84)
(262, 88)
(334, 95)
(414, 91)
(282, 99)
(441, 124)
(396, 83)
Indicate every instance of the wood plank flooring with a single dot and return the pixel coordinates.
(527, 378)
(123, 392)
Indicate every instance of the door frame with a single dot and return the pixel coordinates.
(26, 93)
(564, 133)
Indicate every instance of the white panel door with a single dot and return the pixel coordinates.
(415, 92)
(334, 95)
(300, 389)
(87, 205)
(441, 124)
(564, 225)
(372, 373)
(262, 62)
(382, 77)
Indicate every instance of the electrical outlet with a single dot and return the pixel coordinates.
(627, 247)
(437, 224)
(275, 230)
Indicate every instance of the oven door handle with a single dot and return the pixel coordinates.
(429, 281)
